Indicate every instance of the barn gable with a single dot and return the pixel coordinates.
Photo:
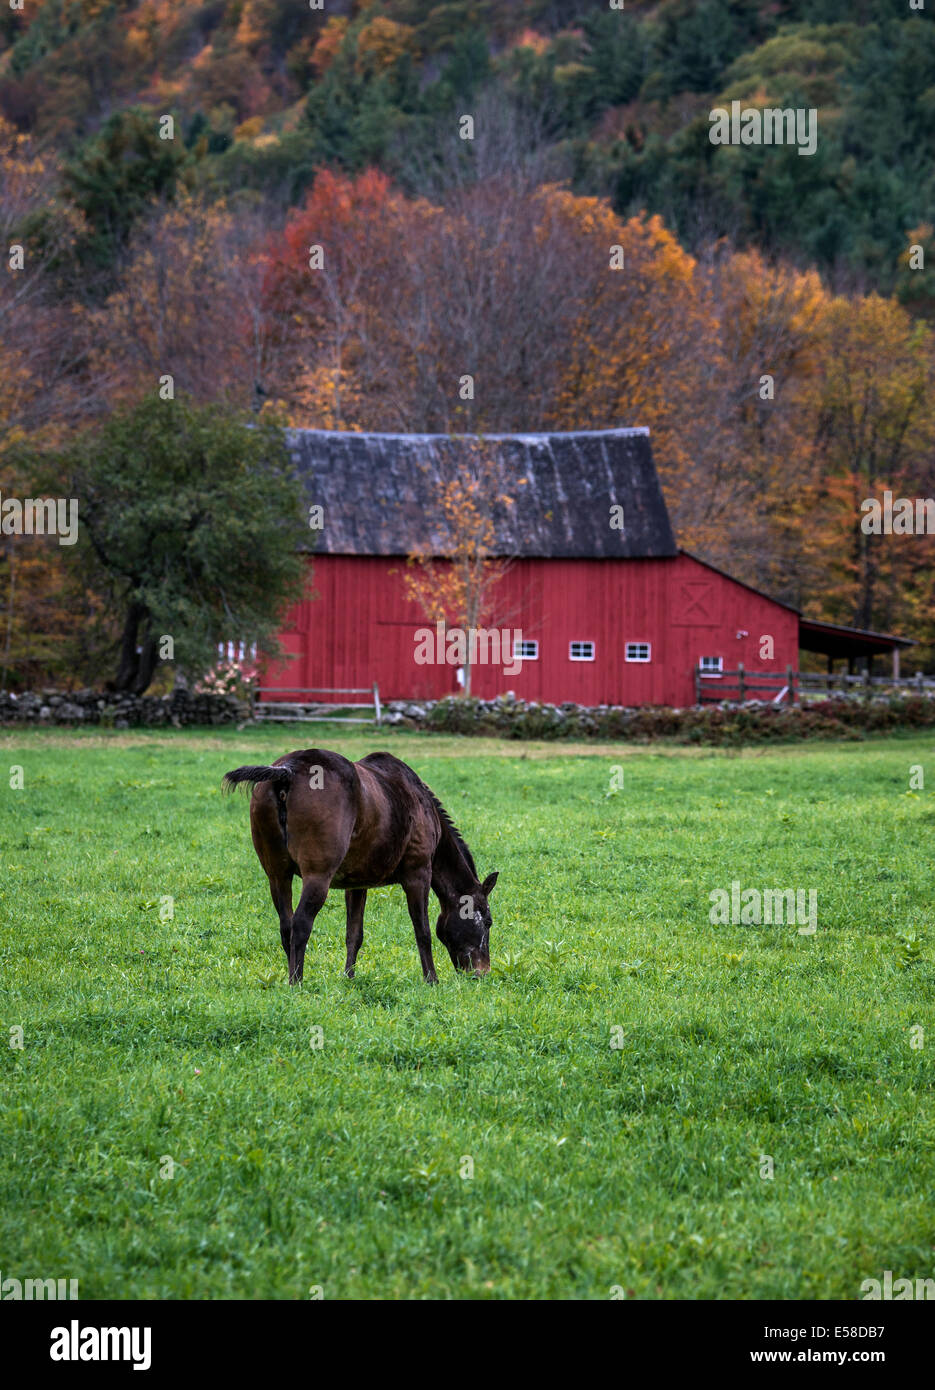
(378, 492)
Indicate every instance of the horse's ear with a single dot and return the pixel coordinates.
(489, 882)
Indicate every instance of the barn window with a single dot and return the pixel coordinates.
(236, 651)
(638, 651)
(524, 649)
(711, 665)
(580, 651)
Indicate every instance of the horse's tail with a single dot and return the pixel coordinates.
(281, 778)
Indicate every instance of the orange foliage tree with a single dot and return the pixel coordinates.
(336, 279)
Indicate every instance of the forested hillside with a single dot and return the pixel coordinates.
(169, 167)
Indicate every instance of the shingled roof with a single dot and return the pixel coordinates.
(378, 492)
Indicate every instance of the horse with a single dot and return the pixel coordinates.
(362, 825)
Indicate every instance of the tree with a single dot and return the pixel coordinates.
(873, 412)
(747, 428)
(42, 395)
(117, 175)
(189, 300)
(495, 298)
(39, 345)
(334, 280)
(637, 349)
(190, 519)
(452, 579)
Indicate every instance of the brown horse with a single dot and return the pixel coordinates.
(357, 826)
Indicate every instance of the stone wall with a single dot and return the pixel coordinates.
(120, 711)
(840, 716)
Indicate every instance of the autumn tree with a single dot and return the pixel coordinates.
(189, 303)
(335, 282)
(494, 304)
(641, 319)
(43, 394)
(453, 577)
(739, 492)
(36, 329)
(873, 411)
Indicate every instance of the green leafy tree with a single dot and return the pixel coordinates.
(190, 518)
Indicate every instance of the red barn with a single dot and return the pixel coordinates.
(598, 605)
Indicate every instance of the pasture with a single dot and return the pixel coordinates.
(323, 1137)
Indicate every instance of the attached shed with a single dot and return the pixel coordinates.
(595, 612)
(850, 644)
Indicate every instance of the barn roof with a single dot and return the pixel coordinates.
(379, 493)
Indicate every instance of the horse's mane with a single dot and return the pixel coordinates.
(449, 825)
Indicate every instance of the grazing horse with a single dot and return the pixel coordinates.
(357, 826)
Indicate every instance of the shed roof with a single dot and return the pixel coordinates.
(379, 492)
(834, 639)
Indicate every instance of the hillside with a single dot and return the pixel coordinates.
(264, 91)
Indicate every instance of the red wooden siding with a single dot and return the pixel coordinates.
(360, 628)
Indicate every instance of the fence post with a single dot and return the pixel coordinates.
(740, 684)
(867, 691)
(697, 685)
(376, 703)
(790, 681)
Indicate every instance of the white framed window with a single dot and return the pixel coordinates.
(580, 651)
(711, 665)
(236, 651)
(638, 651)
(524, 649)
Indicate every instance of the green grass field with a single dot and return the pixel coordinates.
(152, 1042)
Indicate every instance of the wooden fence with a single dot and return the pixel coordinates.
(306, 711)
(789, 686)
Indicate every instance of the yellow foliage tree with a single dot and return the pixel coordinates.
(453, 577)
(872, 405)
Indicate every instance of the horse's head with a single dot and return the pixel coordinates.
(464, 928)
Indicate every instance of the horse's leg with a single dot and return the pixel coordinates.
(417, 900)
(280, 888)
(355, 900)
(314, 892)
